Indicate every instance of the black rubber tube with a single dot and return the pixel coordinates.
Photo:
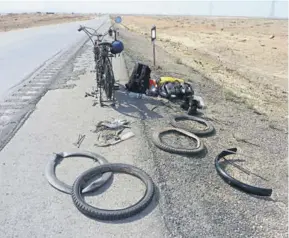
(209, 126)
(236, 183)
(104, 214)
(156, 139)
(63, 187)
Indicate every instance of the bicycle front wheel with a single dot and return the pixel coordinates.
(109, 80)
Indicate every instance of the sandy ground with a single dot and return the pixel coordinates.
(17, 21)
(246, 56)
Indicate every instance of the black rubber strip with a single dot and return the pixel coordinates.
(104, 214)
(236, 183)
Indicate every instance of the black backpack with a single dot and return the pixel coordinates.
(139, 79)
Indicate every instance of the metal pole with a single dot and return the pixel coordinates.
(153, 38)
(154, 52)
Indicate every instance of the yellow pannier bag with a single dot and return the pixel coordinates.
(169, 79)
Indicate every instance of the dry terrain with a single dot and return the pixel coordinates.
(246, 56)
(16, 21)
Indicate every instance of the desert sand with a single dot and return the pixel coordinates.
(12, 21)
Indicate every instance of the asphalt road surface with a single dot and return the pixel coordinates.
(29, 206)
(22, 51)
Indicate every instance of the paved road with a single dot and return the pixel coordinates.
(45, 53)
(22, 51)
(30, 207)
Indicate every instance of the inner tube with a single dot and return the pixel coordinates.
(236, 183)
(156, 139)
(199, 132)
(65, 188)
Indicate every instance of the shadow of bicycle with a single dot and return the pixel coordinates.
(139, 108)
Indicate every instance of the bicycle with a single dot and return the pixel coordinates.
(103, 52)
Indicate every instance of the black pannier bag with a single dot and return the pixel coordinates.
(139, 79)
(176, 90)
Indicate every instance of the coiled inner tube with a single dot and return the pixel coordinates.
(199, 132)
(156, 139)
(236, 183)
(63, 187)
(104, 214)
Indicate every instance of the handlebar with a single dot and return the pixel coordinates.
(90, 35)
(105, 43)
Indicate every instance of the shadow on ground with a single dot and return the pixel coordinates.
(135, 107)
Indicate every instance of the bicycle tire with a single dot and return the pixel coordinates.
(104, 214)
(100, 68)
(236, 183)
(109, 80)
(65, 188)
(168, 148)
(209, 126)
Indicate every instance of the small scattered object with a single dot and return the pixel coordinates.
(104, 214)
(163, 146)
(152, 92)
(236, 183)
(89, 94)
(272, 37)
(152, 83)
(116, 124)
(63, 187)
(118, 139)
(109, 133)
(80, 140)
(201, 103)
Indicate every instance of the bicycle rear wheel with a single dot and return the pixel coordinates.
(109, 81)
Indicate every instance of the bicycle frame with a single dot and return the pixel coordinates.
(103, 62)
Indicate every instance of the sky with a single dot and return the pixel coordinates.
(248, 8)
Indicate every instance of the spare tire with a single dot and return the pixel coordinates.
(209, 126)
(103, 214)
(63, 187)
(168, 148)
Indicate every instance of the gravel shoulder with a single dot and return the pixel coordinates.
(247, 57)
(194, 200)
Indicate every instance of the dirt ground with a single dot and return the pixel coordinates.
(17, 21)
(194, 200)
(248, 57)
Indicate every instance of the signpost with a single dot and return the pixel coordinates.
(153, 38)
